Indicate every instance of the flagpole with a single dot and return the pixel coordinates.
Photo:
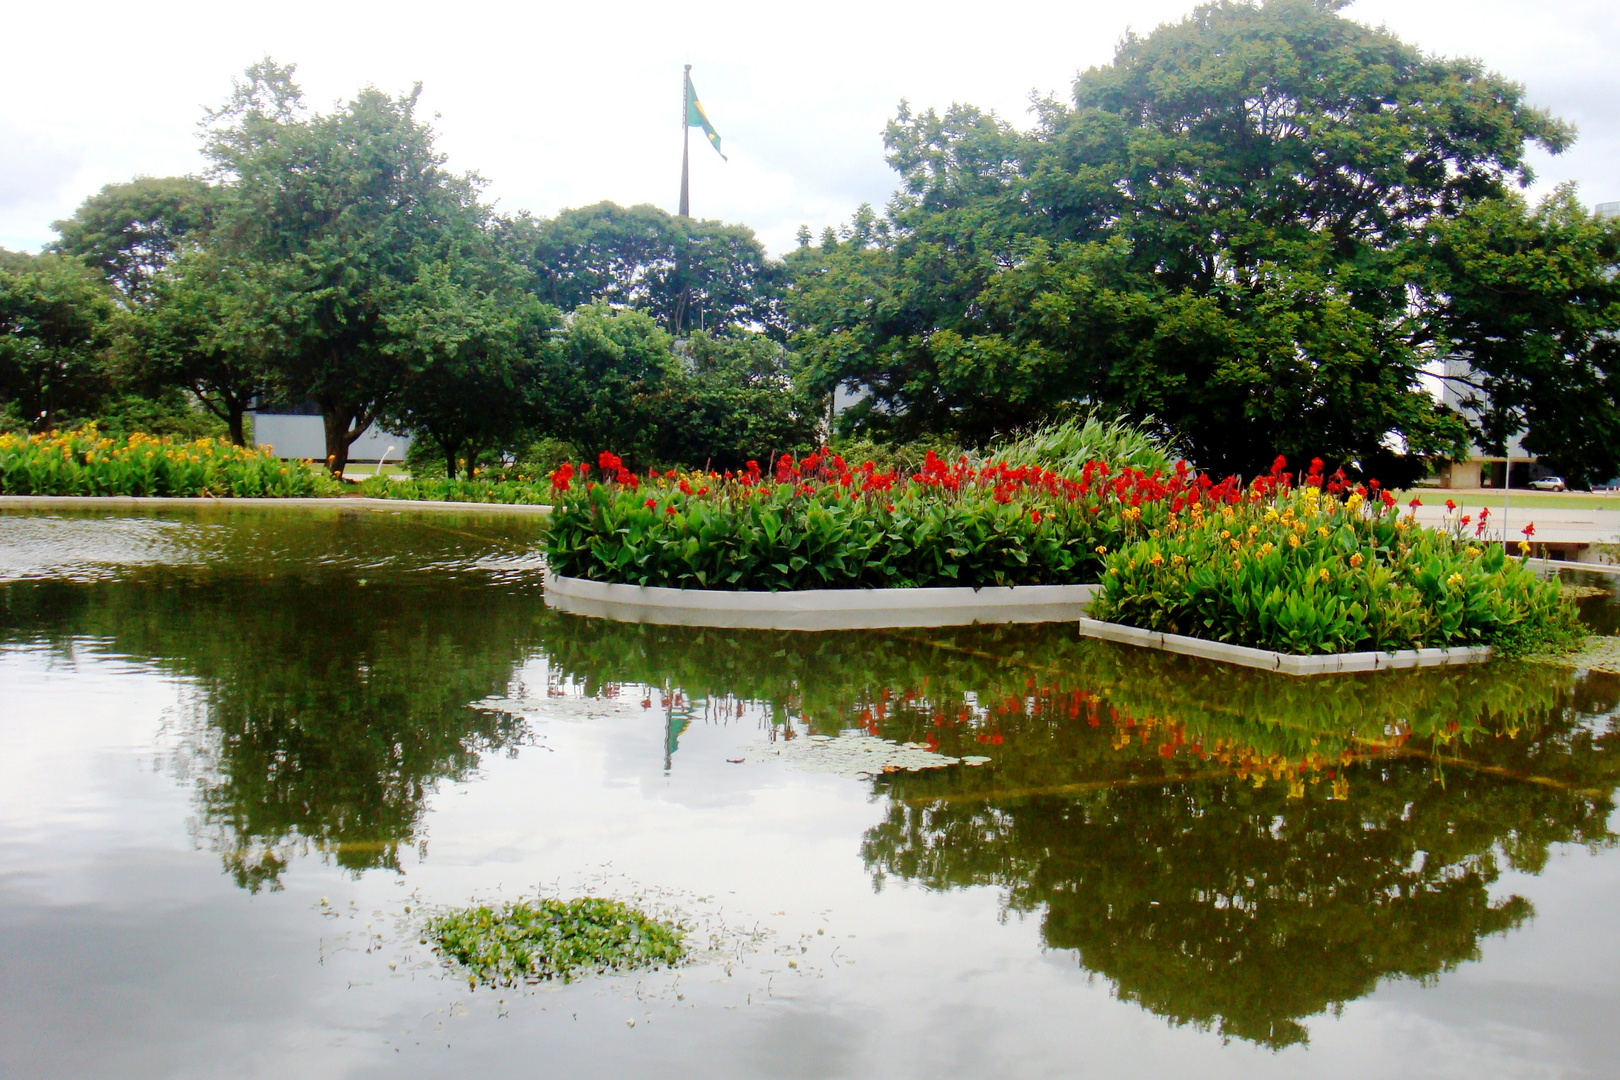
(686, 142)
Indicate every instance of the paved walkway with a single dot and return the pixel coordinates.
(1570, 526)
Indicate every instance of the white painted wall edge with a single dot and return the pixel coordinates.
(821, 599)
(1283, 663)
(819, 609)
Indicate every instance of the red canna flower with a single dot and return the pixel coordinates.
(609, 461)
(1415, 503)
(1529, 530)
(652, 504)
(669, 510)
(1450, 506)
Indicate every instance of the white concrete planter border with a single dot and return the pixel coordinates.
(819, 609)
(1284, 663)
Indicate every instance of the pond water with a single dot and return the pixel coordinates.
(243, 750)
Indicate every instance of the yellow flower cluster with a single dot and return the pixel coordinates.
(85, 462)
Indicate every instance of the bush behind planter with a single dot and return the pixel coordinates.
(84, 462)
(1297, 571)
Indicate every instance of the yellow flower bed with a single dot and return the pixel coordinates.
(84, 462)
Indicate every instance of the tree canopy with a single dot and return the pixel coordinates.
(1266, 227)
(1222, 229)
(684, 272)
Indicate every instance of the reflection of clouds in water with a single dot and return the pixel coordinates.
(89, 549)
(235, 540)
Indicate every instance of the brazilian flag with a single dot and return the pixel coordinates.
(696, 117)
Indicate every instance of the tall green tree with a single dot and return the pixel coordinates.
(1530, 304)
(730, 399)
(193, 330)
(330, 221)
(56, 329)
(684, 272)
(1221, 229)
(131, 231)
(473, 344)
(600, 376)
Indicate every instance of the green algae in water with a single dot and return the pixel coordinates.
(554, 939)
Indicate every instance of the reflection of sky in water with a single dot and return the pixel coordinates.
(81, 549)
(127, 952)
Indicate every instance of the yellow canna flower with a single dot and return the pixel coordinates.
(1293, 541)
(1355, 561)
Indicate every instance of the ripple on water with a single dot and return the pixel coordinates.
(89, 549)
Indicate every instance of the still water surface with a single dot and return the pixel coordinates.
(236, 744)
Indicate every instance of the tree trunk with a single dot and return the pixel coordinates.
(342, 426)
(451, 451)
(238, 428)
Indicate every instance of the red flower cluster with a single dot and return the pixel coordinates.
(824, 472)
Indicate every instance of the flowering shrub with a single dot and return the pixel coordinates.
(822, 523)
(84, 462)
(1326, 568)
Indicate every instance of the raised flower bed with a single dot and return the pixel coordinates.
(1260, 575)
(1324, 576)
(821, 543)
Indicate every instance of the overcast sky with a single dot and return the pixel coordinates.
(566, 104)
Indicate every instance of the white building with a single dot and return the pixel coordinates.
(297, 432)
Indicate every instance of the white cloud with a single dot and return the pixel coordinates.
(563, 105)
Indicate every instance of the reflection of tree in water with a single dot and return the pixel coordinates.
(324, 710)
(1245, 904)
(1231, 849)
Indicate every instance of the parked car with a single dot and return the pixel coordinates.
(1548, 483)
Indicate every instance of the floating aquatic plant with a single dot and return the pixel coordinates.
(553, 939)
